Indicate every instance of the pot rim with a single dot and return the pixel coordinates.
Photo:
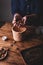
(20, 32)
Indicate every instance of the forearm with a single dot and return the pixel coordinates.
(31, 15)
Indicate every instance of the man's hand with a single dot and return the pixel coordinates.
(24, 19)
(21, 20)
(16, 18)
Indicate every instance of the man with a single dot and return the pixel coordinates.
(23, 8)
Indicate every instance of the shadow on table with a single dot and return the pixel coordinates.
(34, 55)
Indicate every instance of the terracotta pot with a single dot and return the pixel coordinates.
(18, 33)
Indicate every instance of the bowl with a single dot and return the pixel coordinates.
(3, 53)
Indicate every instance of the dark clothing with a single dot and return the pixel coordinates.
(25, 7)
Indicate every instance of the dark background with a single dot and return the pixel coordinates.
(6, 15)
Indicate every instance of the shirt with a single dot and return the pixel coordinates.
(24, 7)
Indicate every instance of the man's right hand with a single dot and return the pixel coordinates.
(16, 18)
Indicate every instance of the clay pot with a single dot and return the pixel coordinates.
(18, 33)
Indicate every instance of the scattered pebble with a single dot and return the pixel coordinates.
(4, 38)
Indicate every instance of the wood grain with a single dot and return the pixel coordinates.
(14, 55)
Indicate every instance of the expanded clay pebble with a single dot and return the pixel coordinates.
(4, 38)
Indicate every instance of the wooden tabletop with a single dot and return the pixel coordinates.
(14, 56)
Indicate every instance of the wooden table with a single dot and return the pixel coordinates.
(14, 55)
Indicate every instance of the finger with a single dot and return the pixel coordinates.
(13, 21)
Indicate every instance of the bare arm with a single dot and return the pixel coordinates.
(31, 15)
